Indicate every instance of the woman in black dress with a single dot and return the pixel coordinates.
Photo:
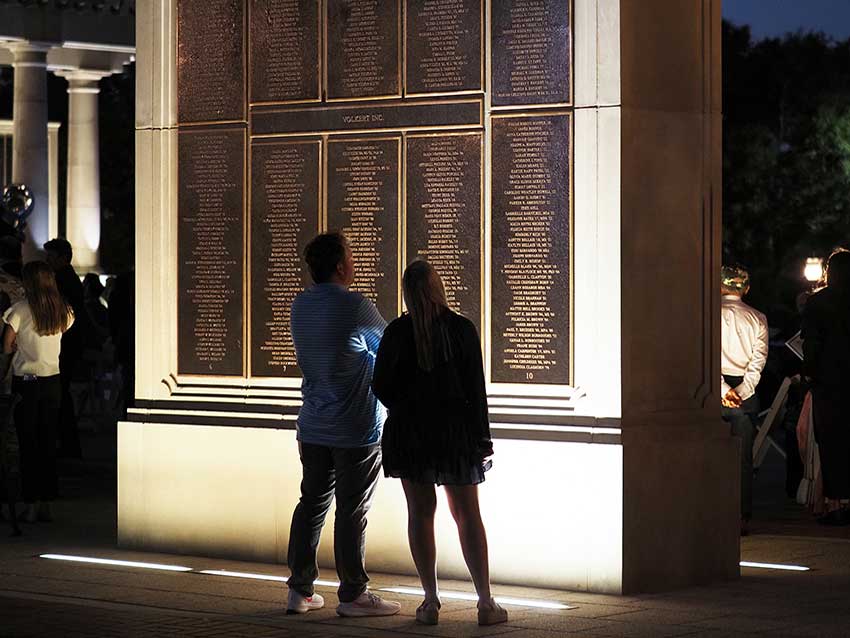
(430, 375)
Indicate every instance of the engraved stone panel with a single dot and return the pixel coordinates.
(531, 250)
(363, 202)
(363, 48)
(210, 251)
(210, 60)
(531, 52)
(284, 217)
(285, 50)
(443, 223)
(443, 46)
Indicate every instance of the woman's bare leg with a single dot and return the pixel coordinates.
(421, 506)
(463, 503)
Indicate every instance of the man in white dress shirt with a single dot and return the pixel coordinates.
(743, 354)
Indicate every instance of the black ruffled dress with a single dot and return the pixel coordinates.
(437, 430)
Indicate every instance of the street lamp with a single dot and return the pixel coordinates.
(813, 271)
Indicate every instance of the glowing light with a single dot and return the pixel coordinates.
(788, 568)
(279, 579)
(813, 270)
(119, 563)
(460, 595)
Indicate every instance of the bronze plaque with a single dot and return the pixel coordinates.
(363, 202)
(210, 251)
(285, 51)
(210, 60)
(443, 46)
(363, 48)
(444, 214)
(284, 218)
(531, 250)
(270, 120)
(532, 52)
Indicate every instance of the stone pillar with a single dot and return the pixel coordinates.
(82, 225)
(30, 157)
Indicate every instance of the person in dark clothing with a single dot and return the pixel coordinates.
(122, 329)
(59, 256)
(826, 365)
(430, 375)
(95, 310)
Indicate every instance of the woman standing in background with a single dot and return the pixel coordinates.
(34, 328)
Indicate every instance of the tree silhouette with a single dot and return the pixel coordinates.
(786, 158)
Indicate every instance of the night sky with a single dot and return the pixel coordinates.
(770, 18)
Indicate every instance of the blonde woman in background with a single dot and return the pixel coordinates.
(430, 375)
(34, 328)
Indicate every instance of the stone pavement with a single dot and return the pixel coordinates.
(40, 597)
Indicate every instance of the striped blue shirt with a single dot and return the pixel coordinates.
(336, 334)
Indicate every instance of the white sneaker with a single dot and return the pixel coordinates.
(298, 604)
(368, 604)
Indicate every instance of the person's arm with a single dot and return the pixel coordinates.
(812, 339)
(371, 325)
(12, 322)
(9, 336)
(386, 373)
(476, 388)
(758, 358)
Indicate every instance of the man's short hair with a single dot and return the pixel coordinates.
(323, 254)
(61, 247)
(734, 279)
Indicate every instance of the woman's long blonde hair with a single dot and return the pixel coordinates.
(425, 298)
(50, 313)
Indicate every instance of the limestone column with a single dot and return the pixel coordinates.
(30, 156)
(82, 225)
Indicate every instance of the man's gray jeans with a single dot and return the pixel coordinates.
(351, 474)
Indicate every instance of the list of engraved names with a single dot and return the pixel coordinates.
(284, 50)
(444, 45)
(531, 52)
(210, 61)
(284, 217)
(531, 218)
(363, 203)
(363, 48)
(444, 214)
(210, 252)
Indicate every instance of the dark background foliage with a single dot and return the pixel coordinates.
(786, 159)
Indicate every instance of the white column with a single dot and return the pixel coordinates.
(30, 159)
(82, 217)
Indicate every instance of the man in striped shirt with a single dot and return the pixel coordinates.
(336, 333)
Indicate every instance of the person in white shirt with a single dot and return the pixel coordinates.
(33, 332)
(743, 353)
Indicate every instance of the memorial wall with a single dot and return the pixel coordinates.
(551, 158)
(433, 129)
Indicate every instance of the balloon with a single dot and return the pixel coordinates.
(16, 205)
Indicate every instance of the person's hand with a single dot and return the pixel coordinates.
(486, 450)
(731, 400)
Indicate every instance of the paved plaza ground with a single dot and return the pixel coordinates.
(40, 597)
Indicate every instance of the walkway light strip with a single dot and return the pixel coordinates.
(120, 563)
(787, 568)
(279, 579)
(459, 595)
(224, 572)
